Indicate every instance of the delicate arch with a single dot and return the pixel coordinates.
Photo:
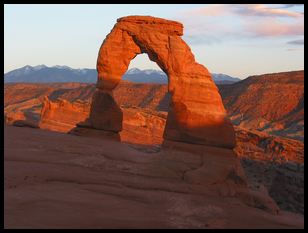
(196, 112)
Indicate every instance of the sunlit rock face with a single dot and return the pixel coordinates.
(61, 115)
(196, 114)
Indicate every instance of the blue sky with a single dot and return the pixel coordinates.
(238, 40)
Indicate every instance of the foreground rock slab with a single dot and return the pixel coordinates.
(55, 180)
(263, 156)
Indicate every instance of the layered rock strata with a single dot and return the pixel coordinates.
(196, 114)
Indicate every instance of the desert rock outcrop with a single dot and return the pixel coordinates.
(259, 152)
(271, 103)
(62, 115)
(196, 114)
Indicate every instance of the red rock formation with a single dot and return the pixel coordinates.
(105, 113)
(24, 113)
(66, 181)
(272, 103)
(15, 93)
(260, 146)
(61, 115)
(196, 113)
(145, 126)
(140, 126)
(250, 143)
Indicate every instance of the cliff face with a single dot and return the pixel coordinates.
(272, 103)
(260, 146)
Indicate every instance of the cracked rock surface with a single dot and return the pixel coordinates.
(56, 180)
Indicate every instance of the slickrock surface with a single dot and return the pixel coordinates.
(196, 112)
(56, 180)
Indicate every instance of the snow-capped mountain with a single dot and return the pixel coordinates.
(133, 71)
(24, 70)
(224, 79)
(44, 74)
(151, 71)
(62, 67)
(146, 71)
(39, 67)
(145, 76)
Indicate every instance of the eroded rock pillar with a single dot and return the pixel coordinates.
(105, 113)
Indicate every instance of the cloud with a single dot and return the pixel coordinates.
(202, 39)
(211, 10)
(296, 42)
(274, 28)
(289, 5)
(261, 10)
(253, 10)
(217, 23)
(297, 49)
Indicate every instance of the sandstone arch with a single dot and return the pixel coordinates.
(196, 114)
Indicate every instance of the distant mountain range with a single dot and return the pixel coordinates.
(45, 74)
